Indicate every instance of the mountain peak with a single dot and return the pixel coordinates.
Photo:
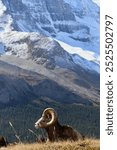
(62, 20)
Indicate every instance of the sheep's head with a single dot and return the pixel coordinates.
(49, 117)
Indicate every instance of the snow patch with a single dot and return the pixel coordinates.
(2, 8)
(87, 59)
(5, 19)
(89, 55)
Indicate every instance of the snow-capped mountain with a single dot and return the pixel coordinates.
(41, 49)
(48, 46)
(75, 25)
(46, 51)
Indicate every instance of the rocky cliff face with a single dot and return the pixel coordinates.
(67, 21)
(42, 14)
(43, 50)
(61, 20)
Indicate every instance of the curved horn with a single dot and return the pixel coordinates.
(53, 114)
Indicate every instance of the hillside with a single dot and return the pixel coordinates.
(88, 144)
(68, 86)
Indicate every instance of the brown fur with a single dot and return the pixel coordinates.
(58, 132)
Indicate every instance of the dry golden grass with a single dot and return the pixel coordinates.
(87, 144)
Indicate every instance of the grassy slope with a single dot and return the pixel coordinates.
(87, 144)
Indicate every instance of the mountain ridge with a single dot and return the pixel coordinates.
(58, 76)
(31, 36)
(71, 27)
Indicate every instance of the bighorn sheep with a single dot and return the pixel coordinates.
(54, 129)
(3, 141)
